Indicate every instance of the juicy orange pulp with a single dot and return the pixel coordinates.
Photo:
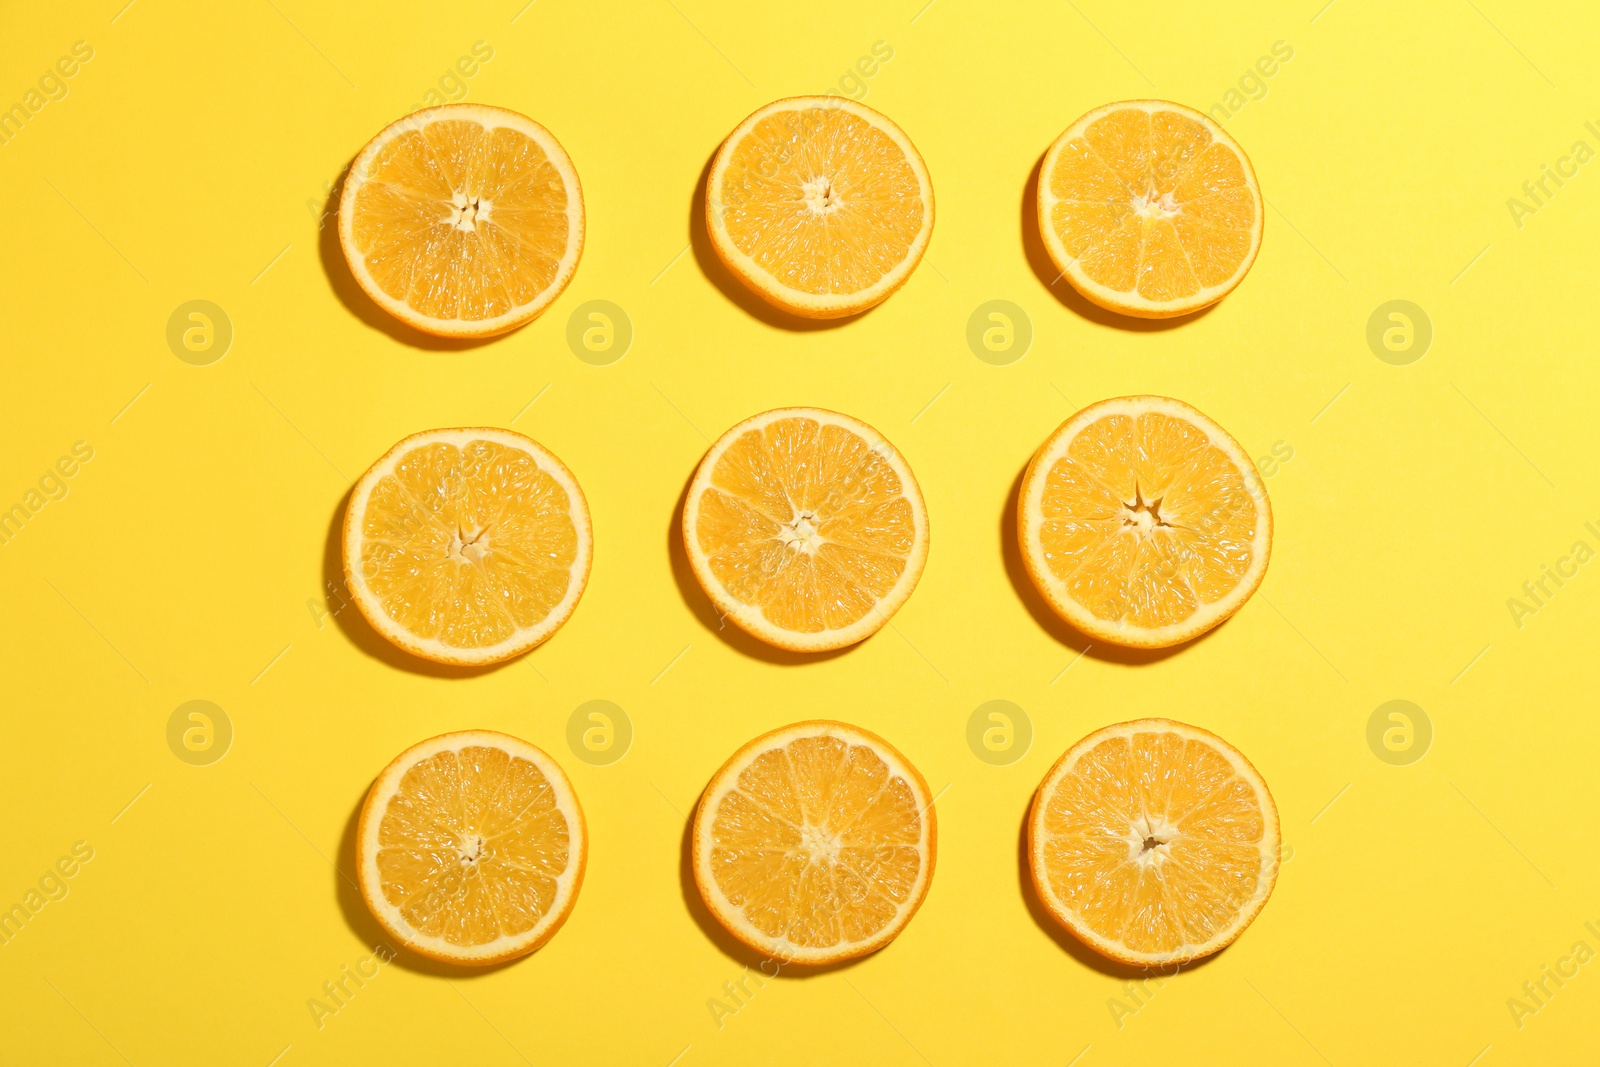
(468, 545)
(806, 521)
(1150, 202)
(1145, 520)
(1154, 842)
(471, 846)
(462, 222)
(822, 200)
(818, 844)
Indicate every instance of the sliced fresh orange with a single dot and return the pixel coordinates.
(462, 220)
(1154, 842)
(1143, 523)
(815, 843)
(467, 546)
(806, 528)
(1149, 208)
(820, 205)
(471, 848)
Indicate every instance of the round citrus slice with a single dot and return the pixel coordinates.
(467, 546)
(806, 528)
(1143, 523)
(820, 205)
(471, 848)
(815, 843)
(1149, 208)
(462, 220)
(1153, 842)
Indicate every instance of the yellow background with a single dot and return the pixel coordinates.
(191, 552)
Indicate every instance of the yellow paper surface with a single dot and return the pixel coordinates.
(189, 157)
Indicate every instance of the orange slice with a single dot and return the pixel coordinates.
(462, 220)
(1153, 842)
(467, 546)
(471, 848)
(1143, 523)
(1149, 208)
(820, 205)
(815, 843)
(806, 528)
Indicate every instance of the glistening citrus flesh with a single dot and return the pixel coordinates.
(815, 843)
(1154, 842)
(467, 546)
(1143, 523)
(819, 204)
(462, 220)
(806, 528)
(471, 847)
(1149, 208)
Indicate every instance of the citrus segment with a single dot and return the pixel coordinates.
(820, 205)
(471, 847)
(1149, 208)
(462, 220)
(806, 528)
(1153, 842)
(1143, 523)
(815, 843)
(467, 546)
